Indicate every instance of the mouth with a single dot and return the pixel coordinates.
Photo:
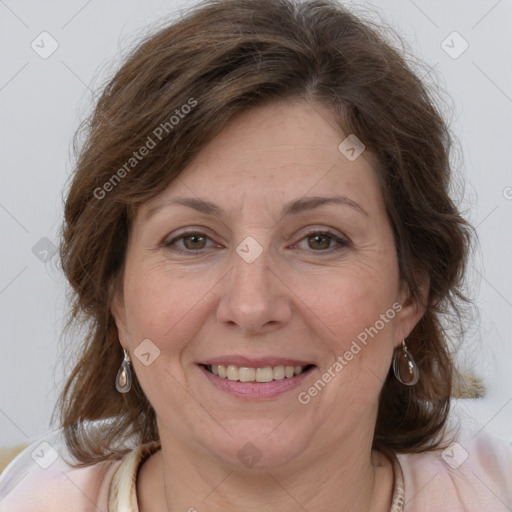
(256, 378)
(260, 374)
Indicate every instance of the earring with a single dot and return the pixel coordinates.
(404, 367)
(124, 375)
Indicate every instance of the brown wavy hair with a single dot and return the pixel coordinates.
(224, 57)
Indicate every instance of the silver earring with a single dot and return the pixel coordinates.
(404, 366)
(124, 375)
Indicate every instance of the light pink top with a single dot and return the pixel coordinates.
(474, 474)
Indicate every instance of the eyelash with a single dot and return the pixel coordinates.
(342, 243)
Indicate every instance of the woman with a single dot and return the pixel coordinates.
(260, 239)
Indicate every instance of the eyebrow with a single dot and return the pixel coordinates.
(292, 208)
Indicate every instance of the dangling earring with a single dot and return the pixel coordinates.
(405, 367)
(124, 375)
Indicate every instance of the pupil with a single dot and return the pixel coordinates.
(194, 240)
(318, 239)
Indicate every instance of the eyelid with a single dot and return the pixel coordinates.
(324, 230)
(166, 242)
(340, 239)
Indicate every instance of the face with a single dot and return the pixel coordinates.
(271, 249)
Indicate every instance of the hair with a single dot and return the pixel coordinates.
(221, 58)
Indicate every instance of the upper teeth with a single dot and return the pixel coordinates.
(265, 374)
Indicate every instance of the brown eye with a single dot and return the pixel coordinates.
(319, 241)
(323, 242)
(194, 242)
(189, 243)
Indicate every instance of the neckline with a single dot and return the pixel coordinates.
(398, 500)
(123, 487)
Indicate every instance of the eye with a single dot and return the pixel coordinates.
(192, 241)
(323, 241)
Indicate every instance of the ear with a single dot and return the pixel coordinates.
(413, 308)
(118, 311)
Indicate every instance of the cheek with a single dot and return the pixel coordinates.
(347, 303)
(354, 324)
(160, 304)
(351, 315)
(164, 307)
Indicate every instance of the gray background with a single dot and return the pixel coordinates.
(42, 101)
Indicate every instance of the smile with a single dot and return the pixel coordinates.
(261, 374)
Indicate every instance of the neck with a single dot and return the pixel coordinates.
(339, 479)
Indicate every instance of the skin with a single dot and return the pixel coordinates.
(300, 298)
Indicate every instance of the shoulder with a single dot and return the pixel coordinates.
(473, 473)
(8, 453)
(42, 478)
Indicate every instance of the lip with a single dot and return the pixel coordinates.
(256, 390)
(258, 362)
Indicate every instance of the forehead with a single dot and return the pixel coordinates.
(273, 154)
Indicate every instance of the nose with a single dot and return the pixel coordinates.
(253, 297)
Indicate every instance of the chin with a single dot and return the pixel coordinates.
(264, 448)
